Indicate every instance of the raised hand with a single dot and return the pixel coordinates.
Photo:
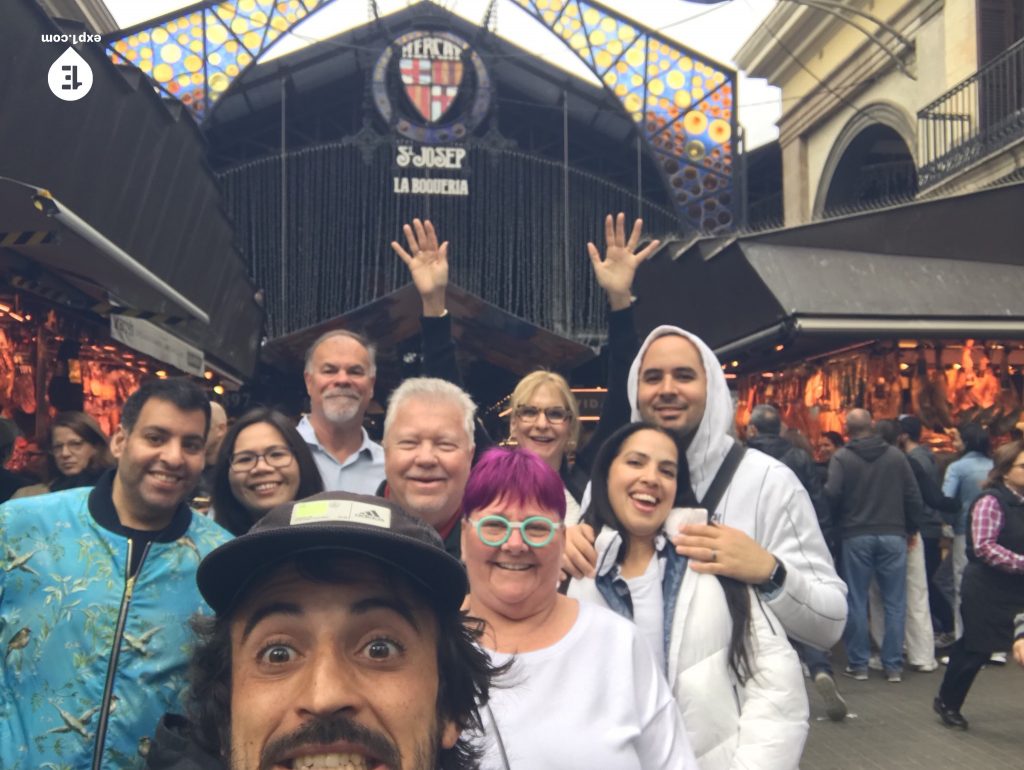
(427, 262)
(616, 271)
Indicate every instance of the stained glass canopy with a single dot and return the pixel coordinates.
(683, 103)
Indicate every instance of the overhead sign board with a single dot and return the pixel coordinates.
(146, 337)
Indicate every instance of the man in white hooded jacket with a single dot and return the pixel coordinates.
(766, 532)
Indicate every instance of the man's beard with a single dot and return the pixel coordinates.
(326, 730)
(340, 410)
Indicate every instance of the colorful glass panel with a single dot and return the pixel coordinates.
(682, 102)
(195, 56)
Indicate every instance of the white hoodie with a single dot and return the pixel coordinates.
(767, 501)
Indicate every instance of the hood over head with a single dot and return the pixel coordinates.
(773, 446)
(869, 448)
(711, 441)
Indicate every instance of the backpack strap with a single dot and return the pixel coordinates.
(722, 479)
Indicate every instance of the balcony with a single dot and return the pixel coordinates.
(974, 120)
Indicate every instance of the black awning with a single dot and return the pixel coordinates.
(132, 168)
(483, 331)
(825, 281)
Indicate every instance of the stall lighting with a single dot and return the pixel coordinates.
(904, 366)
(28, 316)
(16, 316)
(779, 348)
(161, 374)
(218, 389)
(208, 374)
(767, 375)
(724, 367)
(734, 364)
(730, 376)
(5, 308)
(957, 367)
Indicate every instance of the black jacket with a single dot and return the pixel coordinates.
(935, 503)
(872, 490)
(802, 464)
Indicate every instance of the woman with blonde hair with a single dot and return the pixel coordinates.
(545, 419)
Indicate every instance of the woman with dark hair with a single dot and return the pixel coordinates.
(735, 677)
(583, 689)
(78, 453)
(263, 462)
(992, 591)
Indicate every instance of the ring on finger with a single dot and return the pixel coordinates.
(714, 554)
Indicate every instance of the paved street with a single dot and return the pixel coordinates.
(893, 725)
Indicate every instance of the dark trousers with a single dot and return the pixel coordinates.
(815, 659)
(963, 666)
(942, 613)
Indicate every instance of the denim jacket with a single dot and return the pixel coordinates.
(614, 590)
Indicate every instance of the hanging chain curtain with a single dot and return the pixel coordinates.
(506, 236)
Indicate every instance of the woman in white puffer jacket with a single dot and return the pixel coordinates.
(735, 677)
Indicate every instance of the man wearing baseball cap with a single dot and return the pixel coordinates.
(338, 641)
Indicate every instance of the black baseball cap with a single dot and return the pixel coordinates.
(356, 525)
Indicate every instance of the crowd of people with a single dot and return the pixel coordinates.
(436, 601)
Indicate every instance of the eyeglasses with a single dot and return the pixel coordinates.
(536, 531)
(74, 445)
(556, 415)
(276, 457)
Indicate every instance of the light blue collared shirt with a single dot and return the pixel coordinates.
(964, 478)
(361, 473)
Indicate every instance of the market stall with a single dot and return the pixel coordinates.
(904, 310)
(947, 384)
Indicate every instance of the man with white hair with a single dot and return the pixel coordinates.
(428, 451)
(340, 374)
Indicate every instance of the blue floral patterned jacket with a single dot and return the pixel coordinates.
(91, 658)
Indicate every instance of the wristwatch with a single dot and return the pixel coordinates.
(776, 580)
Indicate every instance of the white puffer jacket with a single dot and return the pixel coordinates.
(758, 725)
(767, 501)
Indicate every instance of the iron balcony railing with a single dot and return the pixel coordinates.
(976, 118)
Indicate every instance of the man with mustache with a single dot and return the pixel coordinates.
(338, 641)
(340, 374)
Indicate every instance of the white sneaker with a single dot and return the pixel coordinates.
(925, 668)
(875, 663)
(998, 658)
(835, 706)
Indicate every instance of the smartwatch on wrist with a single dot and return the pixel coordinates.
(776, 580)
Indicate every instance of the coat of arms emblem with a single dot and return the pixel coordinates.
(432, 70)
(430, 86)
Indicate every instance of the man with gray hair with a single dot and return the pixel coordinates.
(428, 451)
(874, 495)
(340, 374)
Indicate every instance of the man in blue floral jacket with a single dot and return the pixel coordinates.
(96, 590)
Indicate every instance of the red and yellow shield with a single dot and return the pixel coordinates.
(432, 84)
